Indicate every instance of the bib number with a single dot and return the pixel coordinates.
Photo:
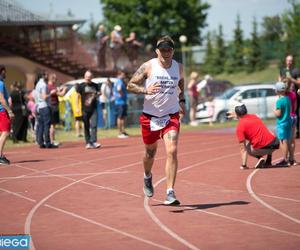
(158, 123)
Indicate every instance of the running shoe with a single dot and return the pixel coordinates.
(282, 163)
(122, 136)
(96, 145)
(4, 160)
(89, 146)
(293, 163)
(171, 199)
(260, 163)
(244, 167)
(148, 187)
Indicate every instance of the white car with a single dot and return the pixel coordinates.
(260, 99)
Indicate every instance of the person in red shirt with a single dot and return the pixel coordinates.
(254, 137)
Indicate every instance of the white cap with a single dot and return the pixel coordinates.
(117, 28)
(207, 77)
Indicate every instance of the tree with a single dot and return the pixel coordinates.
(291, 21)
(238, 46)
(208, 65)
(220, 52)
(255, 59)
(151, 19)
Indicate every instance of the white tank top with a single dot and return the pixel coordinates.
(166, 100)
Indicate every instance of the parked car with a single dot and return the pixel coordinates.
(213, 88)
(260, 99)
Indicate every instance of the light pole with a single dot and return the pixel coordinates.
(183, 40)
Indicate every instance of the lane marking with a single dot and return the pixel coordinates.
(251, 192)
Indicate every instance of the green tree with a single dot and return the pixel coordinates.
(291, 21)
(208, 65)
(220, 52)
(238, 46)
(151, 19)
(254, 59)
(272, 34)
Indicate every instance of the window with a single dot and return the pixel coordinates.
(252, 93)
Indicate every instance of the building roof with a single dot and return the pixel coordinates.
(12, 14)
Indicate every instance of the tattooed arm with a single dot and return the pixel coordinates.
(137, 82)
(181, 87)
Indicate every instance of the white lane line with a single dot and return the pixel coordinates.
(156, 219)
(59, 175)
(17, 194)
(40, 203)
(250, 190)
(279, 197)
(165, 228)
(108, 227)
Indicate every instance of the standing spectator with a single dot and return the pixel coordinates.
(193, 97)
(120, 94)
(44, 112)
(293, 99)
(133, 46)
(254, 137)
(75, 100)
(31, 106)
(283, 123)
(6, 115)
(18, 105)
(161, 81)
(106, 99)
(89, 92)
(116, 44)
(292, 76)
(101, 46)
(54, 105)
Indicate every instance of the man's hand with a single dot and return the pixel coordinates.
(11, 115)
(153, 89)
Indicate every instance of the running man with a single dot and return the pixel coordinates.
(159, 79)
(6, 115)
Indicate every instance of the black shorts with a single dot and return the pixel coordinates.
(121, 111)
(54, 115)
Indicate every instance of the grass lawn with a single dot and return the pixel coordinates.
(268, 75)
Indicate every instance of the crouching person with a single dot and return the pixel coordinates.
(254, 137)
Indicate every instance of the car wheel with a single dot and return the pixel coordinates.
(222, 117)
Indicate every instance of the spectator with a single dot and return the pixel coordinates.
(18, 105)
(133, 46)
(102, 39)
(89, 92)
(31, 106)
(120, 94)
(254, 138)
(193, 97)
(283, 123)
(106, 99)
(54, 105)
(75, 101)
(292, 76)
(116, 44)
(44, 111)
(6, 115)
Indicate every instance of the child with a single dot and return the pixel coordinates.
(283, 122)
(293, 99)
(210, 109)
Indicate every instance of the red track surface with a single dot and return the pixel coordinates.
(73, 198)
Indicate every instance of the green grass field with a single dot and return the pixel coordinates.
(268, 75)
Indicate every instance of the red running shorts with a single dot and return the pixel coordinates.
(4, 122)
(150, 137)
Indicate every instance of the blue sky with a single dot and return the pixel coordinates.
(221, 12)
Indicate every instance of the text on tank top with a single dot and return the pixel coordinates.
(166, 100)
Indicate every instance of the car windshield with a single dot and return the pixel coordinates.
(228, 93)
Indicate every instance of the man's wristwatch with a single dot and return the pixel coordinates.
(182, 100)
